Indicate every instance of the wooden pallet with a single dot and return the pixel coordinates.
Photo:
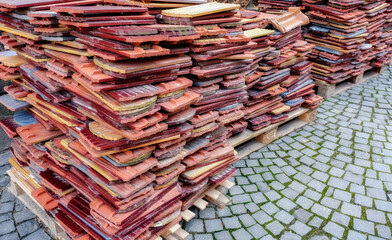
(22, 192)
(250, 141)
(326, 90)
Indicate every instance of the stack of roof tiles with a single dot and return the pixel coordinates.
(349, 36)
(105, 119)
(124, 120)
(277, 6)
(220, 64)
(280, 80)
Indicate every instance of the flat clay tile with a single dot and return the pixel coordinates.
(200, 10)
(172, 86)
(136, 65)
(180, 117)
(36, 133)
(96, 9)
(11, 103)
(175, 105)
(130, 94)
(44, 198)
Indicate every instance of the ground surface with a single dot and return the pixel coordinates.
(330, 180)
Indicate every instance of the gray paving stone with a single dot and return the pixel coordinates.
(23, 216)
(351, 209)
(375, 216)
(300, 228)
(304, 202)
(363, 200)
(342, 195)
(7, 227)
(336, 172)
(342, 219)
(376, 193)
(6, 207)
(321, 210)
(246, 220)
(238, 209)
(213, 225)
(243, 198)
(289, 193)
(319, 237)
(223, 235)
(312, 194)
(257, 231)
(334, 229)
(298, 187)
(383, 205)
(302, 215)
(275, 227)
(242, 234)
(261, 217)
(272, 195)
(384, 231)
(338, 183)
(203, 237)
(258, 197)
(364, 226)
(252, 207)
(231, 223)
(357, 188)
(353, 235)
(195, 225)
(290, 236)
(267, 237)
(27, 227)
(225, 212)
(286, 204)
(330, 202)
(315, 222)
(284, 217)
(10, 236)
(270, 208)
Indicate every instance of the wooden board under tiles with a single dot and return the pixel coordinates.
(22, 192)
(249, 141)
(327, 90)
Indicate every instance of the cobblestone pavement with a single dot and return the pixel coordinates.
(329, 180)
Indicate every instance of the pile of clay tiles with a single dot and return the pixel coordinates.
(278, 6)
(106, 121)
(279, 80)
(350, 36)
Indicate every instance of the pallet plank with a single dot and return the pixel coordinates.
(228, 184)
(327, 90)
(187, 215)
(296, 120)
(247, 134)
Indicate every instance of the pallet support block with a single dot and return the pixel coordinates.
(187, 215)
(309, 117)
(176, 233)
(200, 204)
(267, 137)
(221, 201)
(249, 141)
(54, 228)
(327, 90)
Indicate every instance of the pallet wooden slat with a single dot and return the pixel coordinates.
(249, 141)
(326, 90)
(21, 192)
